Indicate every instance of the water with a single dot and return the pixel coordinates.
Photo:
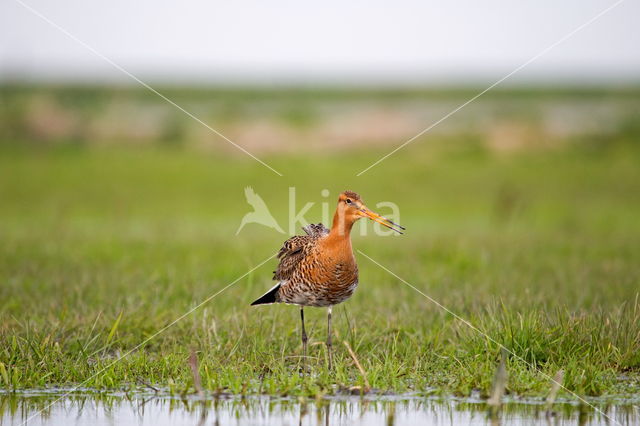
(90, 408)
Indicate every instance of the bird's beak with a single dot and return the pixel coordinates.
(364, 211)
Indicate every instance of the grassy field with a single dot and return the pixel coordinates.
(102, 247)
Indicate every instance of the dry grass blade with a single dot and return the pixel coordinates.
(355, 360)
(555, 387)
(193, 363)
(499, 384)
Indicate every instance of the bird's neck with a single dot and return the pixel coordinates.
(341, 226)
(340, 234)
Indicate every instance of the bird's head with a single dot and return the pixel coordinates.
(351, 208)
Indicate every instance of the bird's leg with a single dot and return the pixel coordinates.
(304, 343)
(329, 344)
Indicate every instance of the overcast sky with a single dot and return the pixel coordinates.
(293, 42)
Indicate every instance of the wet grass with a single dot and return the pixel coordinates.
(101, 248)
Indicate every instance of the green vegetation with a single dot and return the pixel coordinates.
(101, 247)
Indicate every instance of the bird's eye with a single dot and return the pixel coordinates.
(348, 201)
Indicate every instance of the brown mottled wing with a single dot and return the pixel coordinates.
(292, 252)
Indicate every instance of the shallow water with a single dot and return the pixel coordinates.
(84, 408)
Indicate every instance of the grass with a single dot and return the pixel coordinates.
(101, 248)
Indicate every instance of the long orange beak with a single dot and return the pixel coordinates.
(381, 220)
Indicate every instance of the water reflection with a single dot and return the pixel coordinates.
(44, 408)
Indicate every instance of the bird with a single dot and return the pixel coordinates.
(260, 213)
(319, 269)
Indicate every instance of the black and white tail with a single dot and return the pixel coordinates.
(268, 297)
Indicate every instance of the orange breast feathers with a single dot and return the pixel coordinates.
(338, 264)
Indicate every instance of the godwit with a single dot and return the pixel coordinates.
(319, 269)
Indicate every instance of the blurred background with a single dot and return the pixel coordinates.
(296, 84)
(319, 93)
(288, 77)
(92, 159)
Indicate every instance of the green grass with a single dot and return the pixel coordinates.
(101, 248)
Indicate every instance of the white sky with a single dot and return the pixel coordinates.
(284, 42)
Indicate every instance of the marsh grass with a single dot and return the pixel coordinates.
(100, 248)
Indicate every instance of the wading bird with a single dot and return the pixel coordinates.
(319, 269)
